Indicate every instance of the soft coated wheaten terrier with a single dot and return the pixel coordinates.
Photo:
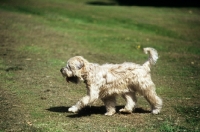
(108, 80)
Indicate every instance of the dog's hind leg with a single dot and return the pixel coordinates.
(130, 102)
(154, 100)
(110, 103)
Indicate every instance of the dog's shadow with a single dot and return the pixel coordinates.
(89, 110)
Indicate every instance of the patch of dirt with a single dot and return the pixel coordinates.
(12, 116)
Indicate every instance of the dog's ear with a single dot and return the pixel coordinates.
(76, 64)
(79, 64)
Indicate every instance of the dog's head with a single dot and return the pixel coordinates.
(73, 69)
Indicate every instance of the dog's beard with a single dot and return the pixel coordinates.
(73, 79)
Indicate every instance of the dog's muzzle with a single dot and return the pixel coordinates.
(72, 79)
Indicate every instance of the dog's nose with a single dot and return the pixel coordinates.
(61, 70)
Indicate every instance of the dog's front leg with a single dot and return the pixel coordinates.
(93, 95)
(80, 104)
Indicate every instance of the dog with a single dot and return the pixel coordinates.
(107, 81)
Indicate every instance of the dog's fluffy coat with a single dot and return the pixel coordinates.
(108, 80)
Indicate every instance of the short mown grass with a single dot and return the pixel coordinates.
(38, 37)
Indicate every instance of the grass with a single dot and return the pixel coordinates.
(191, 115)
(37, 38)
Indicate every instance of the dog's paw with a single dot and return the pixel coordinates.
(156, 111)
(125, 111)
(110, 113)
(73, 109)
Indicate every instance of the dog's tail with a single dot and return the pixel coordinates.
(153, 56)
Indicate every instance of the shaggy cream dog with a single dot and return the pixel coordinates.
(106, 81)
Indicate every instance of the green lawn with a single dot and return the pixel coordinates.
(38, 37)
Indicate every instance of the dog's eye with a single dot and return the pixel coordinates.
(68, 67)
(79, 66)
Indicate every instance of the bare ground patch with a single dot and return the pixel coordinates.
(12, 115)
